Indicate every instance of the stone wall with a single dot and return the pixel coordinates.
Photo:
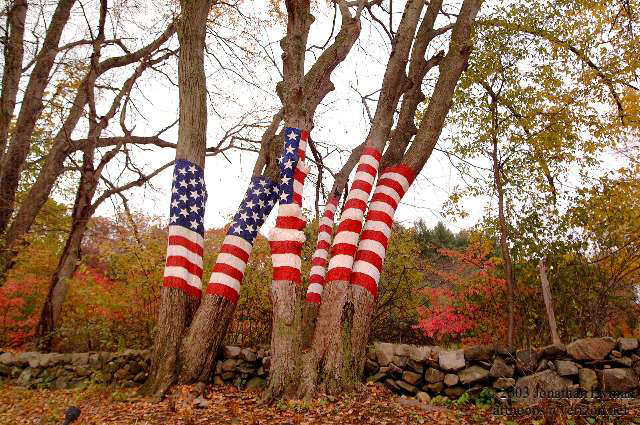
(588, 365)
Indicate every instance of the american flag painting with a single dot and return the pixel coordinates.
(391, 187)
(228, 272)
(183, 269)
(345, 241)
(287, 237)
(321, 255)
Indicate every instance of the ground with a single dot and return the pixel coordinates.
(227, 405)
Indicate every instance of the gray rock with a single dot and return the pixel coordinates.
(542, 365)
(618, 379)
(266, 362)
(200, 403)
(588, 379)
(80, 359)
(451, 379)
(402, 350)
(230, 352)
(419, 354)
(229, 365)
(6, 358)
(435, 387)
(423, 397)
(415, 366)
(377, 377)
(24, 379)
(391, 384)
(227, 375)
(504, 383)
(451, 360)
(399, 361)
(627, 344)
(500, 369)
(454, 392)
(249, 355)
(411, 377)
(140, 377)
(5, 370)
(384, 353)
(217, 380)
(590, 348)
(370, 367)
(624, 361)
(478, 353)
(395, 370)
(554, 350)
(527, 360)
(256, 383)
(433, 375)
(473, 374)
(534, 386)
(566, 368)
(406, 387)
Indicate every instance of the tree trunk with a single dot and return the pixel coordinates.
(14, 53)
(178, 302)
(548, 303)
(30, 110)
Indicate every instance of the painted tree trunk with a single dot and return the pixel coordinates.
(206, 333)
(180, 294)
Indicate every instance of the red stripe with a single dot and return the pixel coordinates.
(290, 222)
(285, 247)
(223, 291)
(323, 245)
(375, 235)
(393, 184)
(402, 169)
(297, 198)
(324, 228)
(369, 169)
(380, 216)
(178, 261)
(312, 297)
(319, 261)
(301, 154)
(370, 257)
(299, 175)
(316, 278)
(235, 251)
(184, 242)
(350, 225)
(372, 151)
(367, 282)
(343, 249)
(338, 273)
(228, 270)
(328, 214)
(381, 197)
(181, 284)
(287, 273)
(355, 203)
(362, 185)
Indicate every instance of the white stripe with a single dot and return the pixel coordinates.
(350, 238)
(315, 288)
(321, 253)
(358, 194)
(297, 187)
(180, 251)
(231, 260)
(341, 260)
(397, 177)
(324, 236)
(226, 280)
(237, 241)
(331, 206)
(182, 273)
(364, 176)
(326, 221)
(289, 210)
(388, 191)
(289, 260)
(352, 214)
(318, 270)
(279, 235)
(175, 230)
(370, 160)
(367, 268)
(378, 226)
(382, 206)
(373, 246)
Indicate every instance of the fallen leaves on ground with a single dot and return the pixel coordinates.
(227, 405)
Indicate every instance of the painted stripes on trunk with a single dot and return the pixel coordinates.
(345, 241)
(391, 187)
(321, 255)
(183, 267)
(235, 251)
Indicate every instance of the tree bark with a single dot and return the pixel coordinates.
(30, 110)
(177, 307)
(548, 302)
(14, 53)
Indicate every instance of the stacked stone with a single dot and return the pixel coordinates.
(243, 367)
(54, 370)
(587, 364)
